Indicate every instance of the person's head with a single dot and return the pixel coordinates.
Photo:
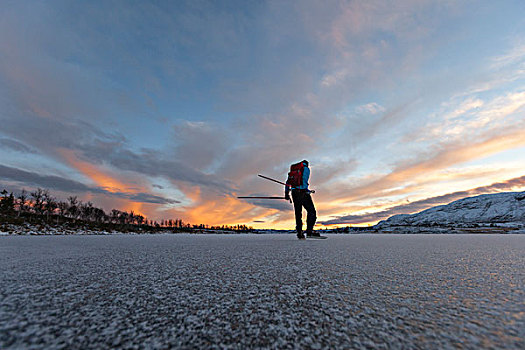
(305, 162)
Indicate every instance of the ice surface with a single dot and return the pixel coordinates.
(253, 291)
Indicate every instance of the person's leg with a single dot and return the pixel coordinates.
(298, 208)
(311, 214)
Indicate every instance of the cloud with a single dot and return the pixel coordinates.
(406, 175)
(149, 198)
(413, 160)
(466, 106)
(66, 185)
(370, 108)
(515, 57)
(275, 204)
(89, 143)
(467, 129)
(15, 145)
(227, 210)
(48, 181)
(201, 97)
(388, 119)
(151, 163)
(372, 43)
(332, 79)
(200, 144)
(416, 206)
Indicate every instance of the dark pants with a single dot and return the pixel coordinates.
(302, 198)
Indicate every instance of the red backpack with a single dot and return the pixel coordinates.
(295, 176)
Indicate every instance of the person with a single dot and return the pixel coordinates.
(302, 198)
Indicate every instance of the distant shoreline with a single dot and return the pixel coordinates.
(27, 229)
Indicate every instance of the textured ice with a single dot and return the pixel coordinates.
(255, 291)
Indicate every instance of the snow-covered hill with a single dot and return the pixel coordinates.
(499, 208)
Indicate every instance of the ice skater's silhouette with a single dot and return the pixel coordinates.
(297, 183)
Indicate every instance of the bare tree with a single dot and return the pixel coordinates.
(123, 217)
(38, 201)
(51, 207)
(48, 204)
(7, 203)
(22, 199)
(115, 214)
(73, 207)
(99, 215)
(86, 211)
(62, 208)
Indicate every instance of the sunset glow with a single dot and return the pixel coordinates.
(96, 175)
(171, 109)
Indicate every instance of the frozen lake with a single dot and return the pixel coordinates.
(239, 291)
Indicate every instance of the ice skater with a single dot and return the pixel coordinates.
(297, 183)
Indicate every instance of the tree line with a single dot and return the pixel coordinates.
(39, 206)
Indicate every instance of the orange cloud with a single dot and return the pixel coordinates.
(225, 211)
(411, 207)
(367, 212)
(450, 154)
(99, 177)
(107, 182)
(135, 207)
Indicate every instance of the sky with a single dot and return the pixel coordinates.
(172, 108)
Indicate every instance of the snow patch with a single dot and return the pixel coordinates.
(492, 211)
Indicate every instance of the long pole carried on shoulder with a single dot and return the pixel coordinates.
(280, 182)
(261, 197)
(269, 178)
